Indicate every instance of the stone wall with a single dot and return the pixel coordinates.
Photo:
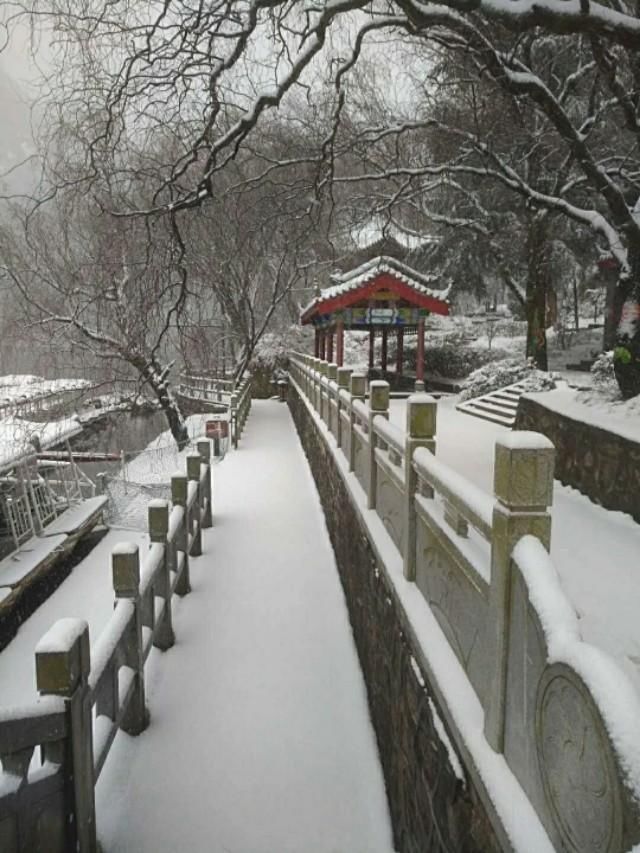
(602, 465)
(431, 808)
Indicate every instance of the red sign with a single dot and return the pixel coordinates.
(217, 429)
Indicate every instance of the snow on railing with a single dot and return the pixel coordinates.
(46, 398)
(482, 565)
(236, 397)
(88, 694)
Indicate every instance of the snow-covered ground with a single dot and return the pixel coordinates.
(594, 550)
(23, 386)
(260, 739)
(86, 594)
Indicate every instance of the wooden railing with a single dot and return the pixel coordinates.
(49, 404)
(49, 804)
(236, 397)
(482, 566)
(210, 388)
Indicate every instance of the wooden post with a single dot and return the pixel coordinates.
(193, 474)
(422, 413)
(420, 356)
(344, 375)
(179, 494)
(384, 350)
(378, 406)
(330, 345)
(204, 449)
(125, 570)
(63, 662)
(323, 344)
(399, 351)
(340, 342)
(372, 347)
(316, 348)
(523, 485)
(358, 390)
(158, 529)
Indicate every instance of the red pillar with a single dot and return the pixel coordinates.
(372, 346)
(330, 346)
(316, 350)
(420, 352)
(383, 355)
(399, 351)
(340, 343)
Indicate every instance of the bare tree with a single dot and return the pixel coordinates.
(201, 74)
(112, 288)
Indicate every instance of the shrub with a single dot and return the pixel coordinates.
(604, 376)
(453, 358)
(491, 377)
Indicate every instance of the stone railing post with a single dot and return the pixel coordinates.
(204, 449)
(378, 406)
(316, 384)
(332, 376)
(422, 413)
(344, 375)
(193, 474)
(63, 662)
(233, 418)
(357, 391)
(125, 570)
(523, 485)
(158, 530)
(179, 494)
(324, 372)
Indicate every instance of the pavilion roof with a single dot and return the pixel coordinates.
(365, 274)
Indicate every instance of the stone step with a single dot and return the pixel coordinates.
(485, 416)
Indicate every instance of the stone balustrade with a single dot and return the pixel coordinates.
(481, 564)
(89, 692)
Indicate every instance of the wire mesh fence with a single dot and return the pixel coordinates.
(145, 476)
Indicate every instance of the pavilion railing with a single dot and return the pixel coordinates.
(482, 566)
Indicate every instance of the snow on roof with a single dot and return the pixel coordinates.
(356, 278)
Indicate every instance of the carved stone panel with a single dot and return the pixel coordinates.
(390, 508)
(527, 659)
(361, 462)
(346, 436)
(577, 765)
(458, 605)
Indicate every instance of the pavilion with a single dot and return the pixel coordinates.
(380, 296)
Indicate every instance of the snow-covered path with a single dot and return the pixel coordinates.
(260, 740)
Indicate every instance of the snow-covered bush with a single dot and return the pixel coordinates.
(602, 370)
(272, 352)
(454, 357)
(491, 377)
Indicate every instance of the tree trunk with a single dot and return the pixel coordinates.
(156, 377)
(576, 305)
(626, 355)
(538, 279)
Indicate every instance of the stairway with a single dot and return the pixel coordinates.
(499, 406)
